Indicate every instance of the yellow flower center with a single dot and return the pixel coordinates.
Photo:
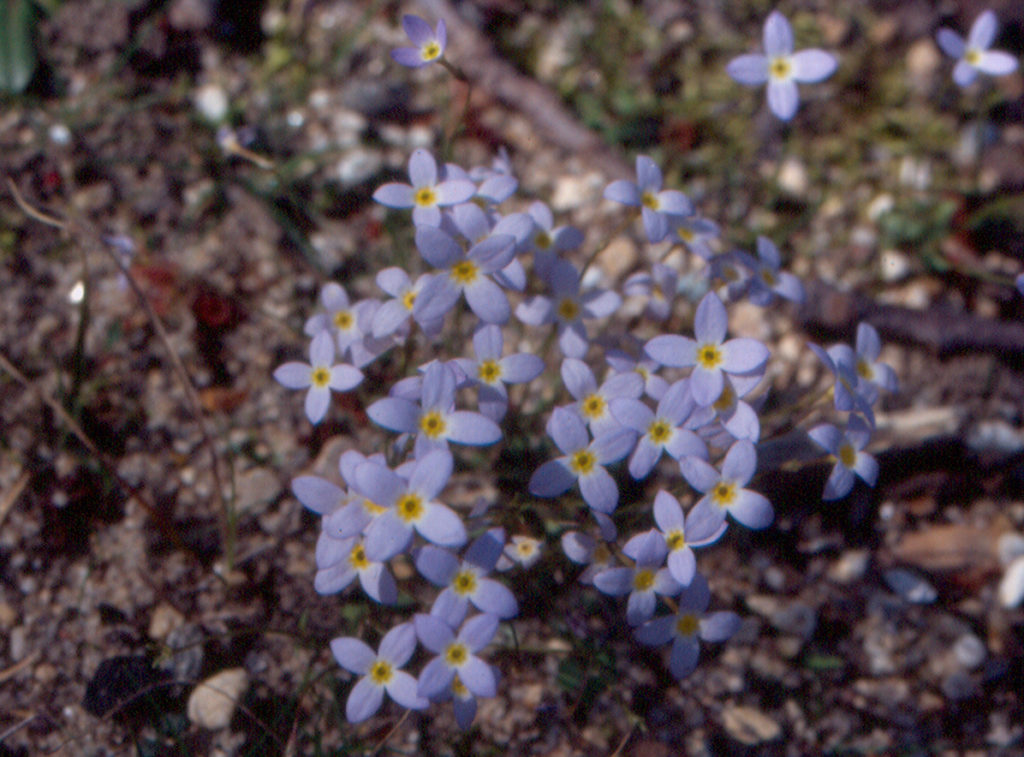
(593, 406)
(973, 57)
(343, 320)
(464, 583)
(410, 507)
(847, 455)
(659, 431)
(409, 299)
(381, 672)
(864, 370)
(542, 241)
(568, 310)
(357, 558)
(430, 51)
(456, 654)
(687, 625)
(725, 399)
(724, 493)
(582, 462)
(650, 200)
(526, 548)
(709, 356)
(489, 371)
(675, 540)
(464, 272)
(687, 235)
(432, 424)
(425, 197)
(768, 277)
(372, 507)
(780, 68)
(320, 377)
(643, 580)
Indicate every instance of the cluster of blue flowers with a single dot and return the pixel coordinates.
(676, 403)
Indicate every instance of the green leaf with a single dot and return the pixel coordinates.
(17, 44)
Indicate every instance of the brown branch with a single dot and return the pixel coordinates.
(944, 331)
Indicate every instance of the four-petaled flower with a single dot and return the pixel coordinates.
(847, 447)
(781, 68)
(724, 492)
(429, 44)
(973, 56)
(490, 371)
(582, 460)
(319, 376)
(710, 355)
(687, 627)
(646, 579)
(379, 672)
(456, 654)
(658, 206)
(426, 195)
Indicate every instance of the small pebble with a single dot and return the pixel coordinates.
(969, 650)
(750, 726)
(910, 586)
(212, 703)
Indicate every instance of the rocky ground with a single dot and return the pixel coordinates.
(156, 591)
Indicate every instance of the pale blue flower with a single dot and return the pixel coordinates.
(709, 355)
(593, 402)
(658, 206)
(659, 286)
(456, 654)
(340, 561)
(468, 273)
(847, 447)
(768, 280)
(688, 626)
(466, 581)
(781, 67)
(582, 460)
(319, 376)
(660, 431)
(491, 371)
(682, 534)
(434, 419)
(379, 672)
(973, 55)
(426, 194)
(644, 581)
(429, 43)
(841, 360)
(724, 492)
(409, 504)
(567, 307)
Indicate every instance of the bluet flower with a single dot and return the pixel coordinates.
(644, 581)
(426, 195)
(710, 355)
(593, 402)
(847, 447)
(657, 206)
(319, 376)
(781, 67)
(429, 43)
(582, 460)
(724, 492)
(456, 654)
(973, 55)
(688, 626)
(491, 371)
(380, 672)
(682, 534)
